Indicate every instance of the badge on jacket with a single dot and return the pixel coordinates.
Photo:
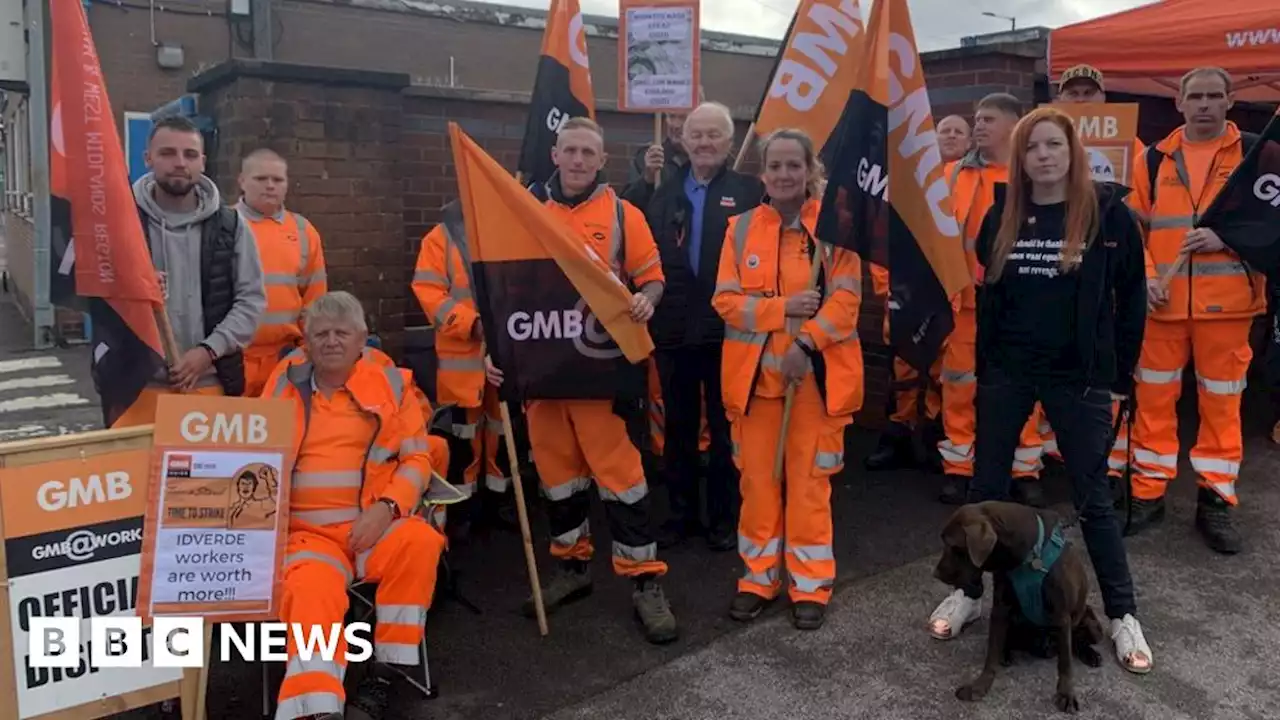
(753, 262)
(728, 202)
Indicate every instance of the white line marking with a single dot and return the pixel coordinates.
(43, 362)
(42, 381)
(23, 431)
(41, 401)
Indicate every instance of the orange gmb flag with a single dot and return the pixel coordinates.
(101, 254)
(556, 319)
(815, 71)
(561, 90)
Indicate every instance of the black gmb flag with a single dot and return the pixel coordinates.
(887, 196)
(556, 320)
(561, 90)
(1246, 214)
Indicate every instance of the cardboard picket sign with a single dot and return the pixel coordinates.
(659, 55)
(1109, 132)
(71, 518)
(217, 516)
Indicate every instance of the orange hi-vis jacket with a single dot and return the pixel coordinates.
(1210, 286)
(396, 462)
(442, 284)
(293, 273)
(617, 233)
(973, 181)
(761, 265)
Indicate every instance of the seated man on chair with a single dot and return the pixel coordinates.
(362, 466)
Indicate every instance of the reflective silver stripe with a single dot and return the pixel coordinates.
(396, 653)
(1223, 268)
(567, 489)
(464, 431)
(280, 317)
(958, 377)
(569, 539)
(743, 336)
(298, 666)
(402, 614)
(304, 243)
(729, 286)
(327, 517)
(413, 445)
(494, 426)
(970, 244)
(1225, 489)
(751, 551)
(377, 453)
(749, 319)
(769, 361)
(1020, 466)
(1169, 222)
(810, 585)
(459, 293)
(497, 483)
(1051, 446)
(1117, 464)
(362, 559)
(335, 479)
(1147, 457)
(1121, 443)
(955, 453)
(332, 562)
(1223, 387)
(437, 492)
(438, 517)
(853, 285)
(396, 381)
(442, 313)
(427, 276)
(280, 279)
(1028, 454)
(308, 704)
(1214, 465)
(1159, 377)
(627, 497)
(282, 384)
(741, 229)
(615, 240)
(828, 460)
(767, 578)
(644, 553)
(315, 277)
(812, 553)
(640, 270)
(406, 472)
(460, 364)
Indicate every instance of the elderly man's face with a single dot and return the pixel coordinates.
(334, 345)
(707, 139)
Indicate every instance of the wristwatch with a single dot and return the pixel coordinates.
(395, 509)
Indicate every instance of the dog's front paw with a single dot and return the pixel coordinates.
(974, 691)
(1066, 701)
(1089, 656)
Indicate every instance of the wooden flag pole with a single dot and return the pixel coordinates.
(1177, 268)
(789, 399)
(523, 514)
(748, 141)
(657, 140)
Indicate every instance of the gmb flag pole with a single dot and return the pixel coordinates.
(887, 197)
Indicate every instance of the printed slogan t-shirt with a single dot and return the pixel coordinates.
(1036, 330)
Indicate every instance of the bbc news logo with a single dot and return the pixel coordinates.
(178, 642)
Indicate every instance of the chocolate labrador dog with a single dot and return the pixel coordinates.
(1041, 590)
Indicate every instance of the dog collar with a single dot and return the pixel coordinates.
(1028, 578)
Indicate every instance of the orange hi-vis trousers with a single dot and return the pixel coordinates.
(1221, 351)
(484, 430)
(573, 441)
(259, 361)
(960, 415)
(791, 515)
(318, 568)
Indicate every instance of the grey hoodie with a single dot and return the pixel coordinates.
(175, 252)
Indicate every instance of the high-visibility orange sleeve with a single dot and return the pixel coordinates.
(413, 471)
(739, 310)
(642, 263)
(431, 286)
(837, 318)
(879, 280)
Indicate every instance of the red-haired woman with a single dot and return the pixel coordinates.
(1060, 320)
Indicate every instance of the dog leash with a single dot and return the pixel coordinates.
(1124, 416)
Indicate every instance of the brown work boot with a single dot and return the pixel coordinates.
(1144, 514)
(1213, 520)
(654, 611)
(569, 581)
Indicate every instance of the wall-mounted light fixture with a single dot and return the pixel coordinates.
(170, 57)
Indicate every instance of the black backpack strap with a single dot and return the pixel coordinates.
(1247, 142)
(1154, 157)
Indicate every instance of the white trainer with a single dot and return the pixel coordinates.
(956, 612)
(1131, 646)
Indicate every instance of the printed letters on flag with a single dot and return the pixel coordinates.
(1246, 214)
(556, 320)
(561, 90)
(108, 264)
(887, 197)
(815, 71)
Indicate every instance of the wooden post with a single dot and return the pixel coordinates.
(748, 142)
(657, 140)
(523, 513)
(789, 399)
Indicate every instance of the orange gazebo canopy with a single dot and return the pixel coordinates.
(1146, 50)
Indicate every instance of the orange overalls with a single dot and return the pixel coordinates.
(973, 182)
(442, 283)
(761, 265)
(365, 442)
(573, 441)
(294, 275)
(658, 416)
(906, 379)
(1212, 302)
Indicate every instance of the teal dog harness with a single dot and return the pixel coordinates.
(1028, 578)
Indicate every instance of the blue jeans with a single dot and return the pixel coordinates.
(1082, 420)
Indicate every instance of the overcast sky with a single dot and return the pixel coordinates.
(938, 23)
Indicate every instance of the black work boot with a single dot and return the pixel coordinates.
(1144, 514)
(1029, 491)
(654, 611)
(893, 452)
(807, 615)
(371, 699)
(499, 509)
(569, 581)
(747, 606)
(954, 489)
(1213, 520)
(1118, 494)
